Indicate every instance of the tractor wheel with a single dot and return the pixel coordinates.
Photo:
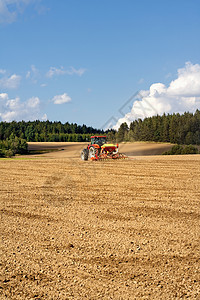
(92, 152)
(84, 154)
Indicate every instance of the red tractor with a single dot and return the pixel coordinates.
(99, 149)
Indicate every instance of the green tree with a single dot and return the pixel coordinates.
(123, 130)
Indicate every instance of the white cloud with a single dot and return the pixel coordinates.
(11, 82)
(32, 74)
(78, 72)
(61, 71)
(55, 71)
(44, 117)
(2, 71)
(188, 81)
(33, 102)
(183, 94)
(60, 99)
(6, 16)
(15, 109)
(10, 9)
(3, 96)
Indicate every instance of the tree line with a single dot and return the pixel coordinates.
(46, 131)
(174, 128)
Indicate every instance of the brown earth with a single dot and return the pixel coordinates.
(126, 229)
(131, 149)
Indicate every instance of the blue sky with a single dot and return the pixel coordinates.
(81, 60)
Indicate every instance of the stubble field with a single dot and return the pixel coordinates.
(126, 229)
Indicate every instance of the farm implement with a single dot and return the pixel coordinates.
(98, 149)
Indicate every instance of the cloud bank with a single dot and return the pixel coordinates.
(15, 109)
(182, 94)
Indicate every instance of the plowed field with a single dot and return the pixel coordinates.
(126, 229)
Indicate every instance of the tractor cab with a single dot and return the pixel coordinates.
(98, 140)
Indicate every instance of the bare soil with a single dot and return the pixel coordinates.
(126, 229)
(131, 149)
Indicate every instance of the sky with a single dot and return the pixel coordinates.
(98, 63)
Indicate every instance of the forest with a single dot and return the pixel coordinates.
(174, 128)
(46, 131)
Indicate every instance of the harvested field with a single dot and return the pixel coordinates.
(126, 229)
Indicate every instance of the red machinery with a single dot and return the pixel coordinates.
(100, 150)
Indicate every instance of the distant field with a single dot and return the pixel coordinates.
(132, 149)
(126, 229)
